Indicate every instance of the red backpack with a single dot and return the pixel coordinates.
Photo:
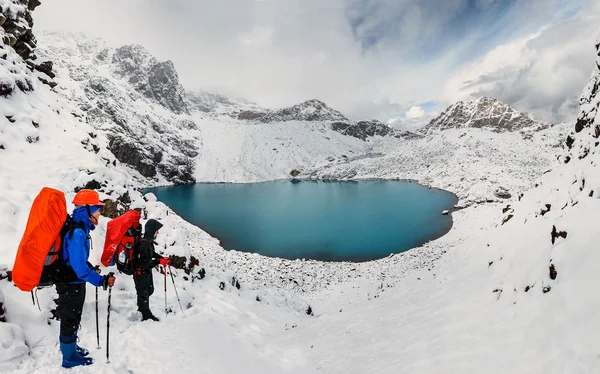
(39, 259)
(122, 238)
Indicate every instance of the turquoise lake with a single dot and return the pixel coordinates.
(320, 220)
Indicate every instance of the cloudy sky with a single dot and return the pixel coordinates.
(399, 61)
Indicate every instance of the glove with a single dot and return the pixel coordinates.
(164, 261)
(109, 281)
(97, 269)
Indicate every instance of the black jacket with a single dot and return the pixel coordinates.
(147, 258)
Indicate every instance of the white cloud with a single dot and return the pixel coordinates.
(415, 112)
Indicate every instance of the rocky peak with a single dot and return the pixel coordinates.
(310, 110)
(130, 60)
(155, 80)
(485, 112)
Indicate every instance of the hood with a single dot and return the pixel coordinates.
(152, 226)
(80, 214)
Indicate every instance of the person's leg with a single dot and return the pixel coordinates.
(141, 287)
(71, 298)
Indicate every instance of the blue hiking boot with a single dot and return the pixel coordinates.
(70, 356)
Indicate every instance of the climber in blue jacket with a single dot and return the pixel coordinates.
(75, 272)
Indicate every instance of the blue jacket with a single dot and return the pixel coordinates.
(76, 249)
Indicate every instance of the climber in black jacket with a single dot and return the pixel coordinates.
(146, 259)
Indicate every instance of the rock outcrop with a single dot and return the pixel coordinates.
(362, 129)
(584, 140)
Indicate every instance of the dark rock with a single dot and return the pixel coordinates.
(553, 272)
(309, 311)
(363, 129)
(32, 139)
(544, 211)
(258, 298)
(581, 124)
(235, 283)
(181, 262)
(91, 185)
(46, 68)
(507, 218)
(222, 286)
(128, 153)
(5, 89)
(556, 234)
(47, 82)
(112, 209)
(294, 173)
(546, 289)
(570, 141)
(528, 288)
(249, 115)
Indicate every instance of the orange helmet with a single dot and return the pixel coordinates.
(87, 197)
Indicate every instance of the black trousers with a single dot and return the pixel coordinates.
(71, 298)
(144, 286)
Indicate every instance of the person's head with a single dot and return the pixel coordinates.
(90, 200)
(151, 229)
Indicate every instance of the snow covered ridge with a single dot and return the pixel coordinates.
(485, 112)
(310, 110)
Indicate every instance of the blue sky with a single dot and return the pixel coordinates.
(367, 58)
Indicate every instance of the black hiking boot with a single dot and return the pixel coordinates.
(150, 316)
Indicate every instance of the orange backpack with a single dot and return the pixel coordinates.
(122, 238)
(39, 259)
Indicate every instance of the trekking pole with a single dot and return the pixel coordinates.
(165, 273)
(97, 323)
(108, 323)
(173, 280)
(108, 328)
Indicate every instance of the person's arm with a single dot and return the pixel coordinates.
(78, 259)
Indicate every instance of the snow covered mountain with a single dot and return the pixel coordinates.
(485, 112)
(511, 288)
(131, 97)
